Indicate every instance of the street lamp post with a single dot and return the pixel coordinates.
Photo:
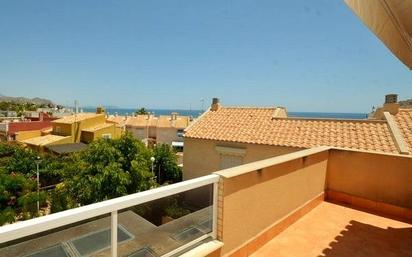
(152, 159)
(38, 182)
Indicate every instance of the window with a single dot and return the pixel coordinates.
(230, 156)
(229, 161)
(57, 130)
(107, 136)
(180, 132)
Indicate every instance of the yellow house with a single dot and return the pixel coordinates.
(104, 130)
(81, 127)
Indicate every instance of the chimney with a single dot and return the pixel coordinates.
(391, 99)
(174, 115)
(215, 104)
(41, 116)
(391, 104)
(100, 110)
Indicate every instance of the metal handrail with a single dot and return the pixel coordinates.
(30, 227)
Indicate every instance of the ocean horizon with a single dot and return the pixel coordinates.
(196, 113)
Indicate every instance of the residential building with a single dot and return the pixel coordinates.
(323, 201)
(143, 127)
(81, 127)
(27, 128)
(170, 129)
(120, 121)
(232, 136)
(158, 130)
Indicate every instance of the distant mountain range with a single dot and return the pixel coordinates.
(20, 99)
(406, 103)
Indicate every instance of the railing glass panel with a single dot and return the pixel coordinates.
(165, 225)
(86, 238)
(158, 222)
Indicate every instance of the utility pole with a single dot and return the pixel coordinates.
(38, 183)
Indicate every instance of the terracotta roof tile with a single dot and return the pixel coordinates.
(404, 122)
(180, 122)
(257, 126)
(142, 121)
(119, 120)
(75, 118)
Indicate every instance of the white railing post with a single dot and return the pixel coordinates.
(114, 233)
(215, 208)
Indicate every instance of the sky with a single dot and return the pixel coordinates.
(303, 55)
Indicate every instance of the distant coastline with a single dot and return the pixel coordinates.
(195, 113)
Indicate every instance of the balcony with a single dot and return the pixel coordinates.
(338, 230)
(317, 202)
(131, 226)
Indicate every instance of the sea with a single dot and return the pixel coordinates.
(196, 113)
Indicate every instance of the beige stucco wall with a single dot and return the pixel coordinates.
(139, 133)
(255, 200)
(201, 157)
(152, 131)
(378, 177)
(167, 136)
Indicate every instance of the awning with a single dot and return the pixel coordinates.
(177, 144)
(391, 21)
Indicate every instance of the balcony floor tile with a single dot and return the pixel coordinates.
(332, 230)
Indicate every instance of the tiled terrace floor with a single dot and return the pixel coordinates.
(332, 230)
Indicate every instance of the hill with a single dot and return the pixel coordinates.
(22, 100)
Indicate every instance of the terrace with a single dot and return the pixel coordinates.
(317, 202)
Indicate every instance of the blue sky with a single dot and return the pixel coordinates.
(304, 55)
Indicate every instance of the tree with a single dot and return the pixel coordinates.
(142, 111)
(108, 169)
(165, 164)
(18, 197)
(22, 160)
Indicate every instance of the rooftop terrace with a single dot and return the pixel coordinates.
(339, 231)
(317, 202)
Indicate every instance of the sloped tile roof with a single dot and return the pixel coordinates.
(119, 120)
(44, 140)
(142, 121)
(98, 127)
(180, 122)
(75, 118)
(258, 126)
(404, 122)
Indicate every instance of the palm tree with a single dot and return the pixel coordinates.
(142, 111)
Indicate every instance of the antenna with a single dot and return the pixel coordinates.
(203, 103)
(76, 110)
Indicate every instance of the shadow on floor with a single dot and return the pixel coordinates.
(364, 240)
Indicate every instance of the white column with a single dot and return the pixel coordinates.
(114, 233)
(215, 209)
